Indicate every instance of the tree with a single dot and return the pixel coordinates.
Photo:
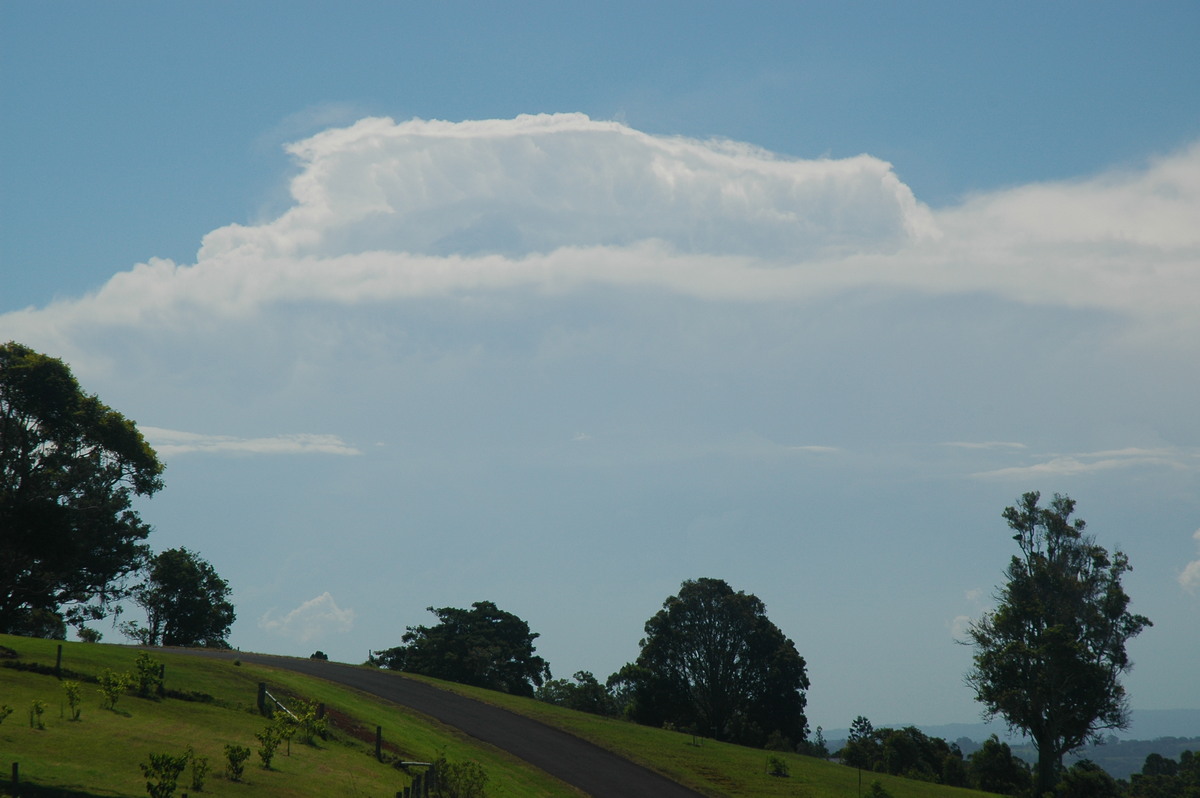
(711, 661)
(994, 768)
(585, 694)
(484, 646)
(69, 469)
(186, 603)
(1049, 657)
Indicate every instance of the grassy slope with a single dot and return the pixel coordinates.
(100, 754)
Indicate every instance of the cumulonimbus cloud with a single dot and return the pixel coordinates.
(313, 619)
(386, 211)
(1189, 578)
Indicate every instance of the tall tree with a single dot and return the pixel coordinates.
(69, 469)
(1049, 657)
(712, 661)
(484, 646)
(186, 603)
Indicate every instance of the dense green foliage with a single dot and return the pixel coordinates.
(69, 469)
(1049, 656)
(713, 662)
(1165, 778)
(186, 603)
(904, 752)
(483, 646)
(583, 694)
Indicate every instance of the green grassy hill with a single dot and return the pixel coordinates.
(212, 702)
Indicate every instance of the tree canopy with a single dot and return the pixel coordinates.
(1049, 657)
(186, 603)
(483, 646)
(712, 661)
(69, 469)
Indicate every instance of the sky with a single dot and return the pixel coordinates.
(559, 305)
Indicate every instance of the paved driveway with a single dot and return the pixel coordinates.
(595, 771)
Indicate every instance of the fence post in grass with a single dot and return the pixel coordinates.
(378, 743)
(16, 776)
(58, 662)
(262, 698)
(162, 680)
(416, 785)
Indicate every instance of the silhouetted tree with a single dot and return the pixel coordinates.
(484, 646)
(1049, 656)
(69, 469)
(712, 661)
(186, 603)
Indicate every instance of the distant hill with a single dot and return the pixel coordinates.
(1167, 732)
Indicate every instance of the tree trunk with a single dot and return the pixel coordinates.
(1045, 775)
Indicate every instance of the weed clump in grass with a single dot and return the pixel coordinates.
(5, 711)
(235, 761)
(162, 773)
(777, 767)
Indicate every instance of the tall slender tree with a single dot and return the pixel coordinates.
(1049, 658)
(69, 469)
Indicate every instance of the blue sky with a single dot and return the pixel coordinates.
(559, 305)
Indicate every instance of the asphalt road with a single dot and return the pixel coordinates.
(595, 771)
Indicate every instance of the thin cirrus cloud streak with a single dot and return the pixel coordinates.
(170, 443)
(387, 211)
(1086, 463)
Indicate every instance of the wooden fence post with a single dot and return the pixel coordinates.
(378, 743)
(58, 662)
(16, 773)
(262, 698)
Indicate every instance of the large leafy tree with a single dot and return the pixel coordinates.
(186, 603)
(712, 661)
(484, 646)
(69, 469)
(1048, 659)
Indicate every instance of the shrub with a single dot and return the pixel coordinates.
(149, 675)
(877, 790)
(112, 685)
(199, 769)
(235, 761)
(36, 708)
(310, 726)
(777, 767)
(74, 697)
(162, 774)
(5, 711)
(460, 779)
(268, 740)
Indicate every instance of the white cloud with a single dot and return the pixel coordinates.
(169, 443)
(314, 618)
(1189, 579)
(388, 211)
(1088, 463)
(984, 445)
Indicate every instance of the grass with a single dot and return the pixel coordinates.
(718, 769)
(99, 755)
